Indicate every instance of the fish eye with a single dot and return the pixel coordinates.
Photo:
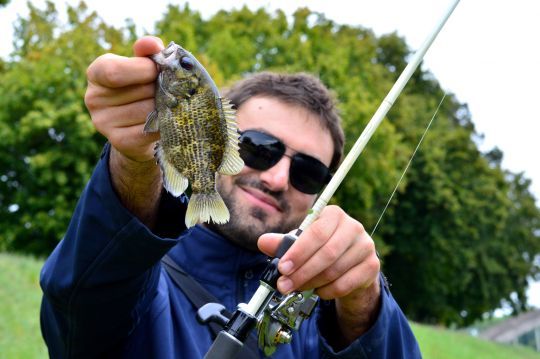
(186, 63)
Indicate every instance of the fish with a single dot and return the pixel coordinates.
(198, 134)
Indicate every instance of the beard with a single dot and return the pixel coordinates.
(248, 223)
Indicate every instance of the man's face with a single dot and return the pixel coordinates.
(264, 201)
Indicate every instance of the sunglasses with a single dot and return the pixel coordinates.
(262, 151)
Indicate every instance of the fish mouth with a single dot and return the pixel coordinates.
(262, 199)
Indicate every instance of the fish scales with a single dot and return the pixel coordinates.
(200, 140)
(198, 134)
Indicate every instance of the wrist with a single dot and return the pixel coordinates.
(357, 312)
(138, 185)
(122, 164)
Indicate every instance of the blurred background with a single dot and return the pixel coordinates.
(459, 241)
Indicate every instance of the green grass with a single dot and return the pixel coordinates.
(438, 343)
(20, 297)
(20, 335)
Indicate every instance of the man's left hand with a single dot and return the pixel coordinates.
(336, 256)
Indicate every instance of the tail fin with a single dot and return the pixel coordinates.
(203, 207)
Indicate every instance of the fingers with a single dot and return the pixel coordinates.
(131, 114)
(334, 255)
(147, 45)
(120, 95)
(100, 97)
(268, 243)
(327, 272)
(320, 238)
(133, 143)
(126, 132)
(358, 277)
(114, 71)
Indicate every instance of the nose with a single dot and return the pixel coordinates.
(276, 178)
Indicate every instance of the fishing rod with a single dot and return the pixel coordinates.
(277, 316)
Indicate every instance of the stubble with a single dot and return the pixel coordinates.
(247, 224)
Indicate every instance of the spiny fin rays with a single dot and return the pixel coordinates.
(231, 163)
(152, 122)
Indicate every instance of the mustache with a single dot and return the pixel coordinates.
(254, 183)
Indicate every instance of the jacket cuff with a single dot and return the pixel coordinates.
(171, 209)
(390, 335)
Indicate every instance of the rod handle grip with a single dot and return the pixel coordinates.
(286, 243)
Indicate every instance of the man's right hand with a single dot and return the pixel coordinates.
(119, 96)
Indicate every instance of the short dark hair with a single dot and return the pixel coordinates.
(300, 89)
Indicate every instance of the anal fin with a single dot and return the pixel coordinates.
(173, 181)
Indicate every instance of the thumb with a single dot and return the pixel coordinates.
(147, 45)
(268, 243)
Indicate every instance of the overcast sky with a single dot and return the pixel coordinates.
(487, 55)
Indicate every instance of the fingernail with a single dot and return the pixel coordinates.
(286, 267)
(285, 285)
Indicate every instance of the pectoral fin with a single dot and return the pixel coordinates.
(152, 122)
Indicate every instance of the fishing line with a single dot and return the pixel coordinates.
(258, 311)
(408, 165)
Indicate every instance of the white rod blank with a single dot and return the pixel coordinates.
(375, 121)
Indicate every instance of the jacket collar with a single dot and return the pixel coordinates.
(209, 257)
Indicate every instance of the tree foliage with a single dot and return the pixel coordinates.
(459, 238)
(49, 144)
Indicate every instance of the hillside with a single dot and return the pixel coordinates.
(20, 335)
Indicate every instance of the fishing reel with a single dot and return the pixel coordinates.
(275, 325)
(274, 315)
(283, 315)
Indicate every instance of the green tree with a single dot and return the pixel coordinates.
(456, 239)
(49, 144)
(459, 238)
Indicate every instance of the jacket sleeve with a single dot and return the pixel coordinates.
(102, 276)
(390, 337)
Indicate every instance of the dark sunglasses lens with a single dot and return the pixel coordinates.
(259, 150)
(308, 174)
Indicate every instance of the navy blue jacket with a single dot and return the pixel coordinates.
(106, 294)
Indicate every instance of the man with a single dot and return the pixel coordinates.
(106, 293)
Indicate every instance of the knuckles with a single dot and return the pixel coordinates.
(373, 265)
(334, 216)
(333, 211)
(330, 274)
(105, 70)
(327, 223)
(96, 66)
(331, 252)
(112, 74)
(90, 98)
(344, 287)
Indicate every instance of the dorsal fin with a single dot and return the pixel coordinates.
(231, 163)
